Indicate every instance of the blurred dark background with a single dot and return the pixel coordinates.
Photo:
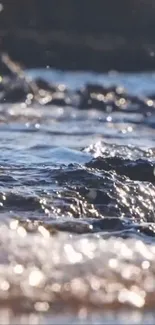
(96, 35)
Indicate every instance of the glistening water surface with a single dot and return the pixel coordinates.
(77, 199)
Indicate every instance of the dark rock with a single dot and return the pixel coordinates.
(109, 224)
(43, 84)
(14, 95)
(141, 170)
(148, 230)
(59, 99)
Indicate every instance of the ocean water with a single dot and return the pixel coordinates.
(77, 202)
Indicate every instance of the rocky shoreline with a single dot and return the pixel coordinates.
(18, 88)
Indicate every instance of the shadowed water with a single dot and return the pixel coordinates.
(77, 199)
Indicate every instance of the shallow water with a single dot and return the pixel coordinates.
(77, 200)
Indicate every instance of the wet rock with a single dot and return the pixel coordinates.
(59, 99)
(91, 96)
(147, 230)
(45, 85)
(110, 99)
(14, 95)
(108, 224)
(140, 169)
(94, 96)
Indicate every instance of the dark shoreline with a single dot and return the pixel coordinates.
(66, 50)
(94, 36)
